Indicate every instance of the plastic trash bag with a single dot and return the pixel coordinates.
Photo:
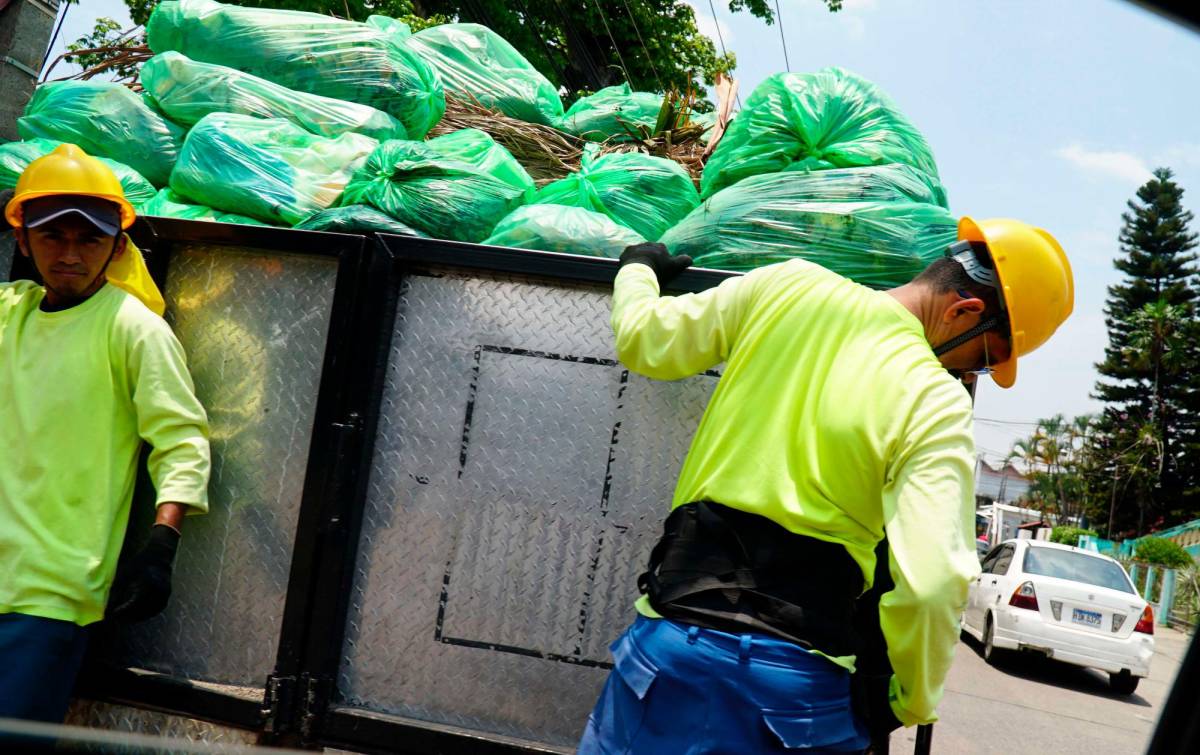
(187, 90)
(571, 230)
(645, 193)
(476, 63)
(449, 188)
(470, 145)
(268, 169)
(168, 204)
(355, 218)
(606, 114)
(104, 119)
(873, 230)
(16, 156)
(828, 119)
(308, 52)
(394, 28)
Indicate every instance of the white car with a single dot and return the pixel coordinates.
(1065, 603)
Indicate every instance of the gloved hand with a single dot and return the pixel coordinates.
(143, 584)
(870, 694)
(657, 258)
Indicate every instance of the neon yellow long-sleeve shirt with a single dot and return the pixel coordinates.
(81, 388)
(834, 419)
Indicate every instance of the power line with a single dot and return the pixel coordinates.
(721, 39)
(1006, 421)
(613, 39)
(779, 19)
(54, 38)
(649, 57)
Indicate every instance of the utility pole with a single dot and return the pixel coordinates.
(25, 28)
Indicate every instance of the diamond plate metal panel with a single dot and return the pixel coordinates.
(254, 326)
(121, 718)
(519, 479)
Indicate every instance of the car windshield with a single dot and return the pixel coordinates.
(1077, 567)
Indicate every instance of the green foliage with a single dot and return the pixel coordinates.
(1149, 375)
(1162, 552)
(1069, 535)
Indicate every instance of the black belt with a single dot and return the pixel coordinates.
(730, 570)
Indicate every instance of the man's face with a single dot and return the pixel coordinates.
(70, 254)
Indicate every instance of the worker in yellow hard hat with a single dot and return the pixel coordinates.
(806, 591)
(88, 371)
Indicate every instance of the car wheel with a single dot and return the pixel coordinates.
(1123, 683)
(991, 653)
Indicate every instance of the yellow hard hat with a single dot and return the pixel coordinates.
(68, 170)
(1035, 281)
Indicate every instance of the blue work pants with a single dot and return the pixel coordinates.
(39, 661)
(678, 689)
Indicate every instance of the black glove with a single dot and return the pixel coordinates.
(869, 694)
(657, 258)
(143, 584)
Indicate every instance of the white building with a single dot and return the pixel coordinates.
(1003, 485)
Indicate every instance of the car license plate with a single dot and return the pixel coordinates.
(1087, 618)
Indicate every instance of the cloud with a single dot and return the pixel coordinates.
(1123, 165)
(1179, 156)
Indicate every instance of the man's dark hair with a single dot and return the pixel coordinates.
(944, 275)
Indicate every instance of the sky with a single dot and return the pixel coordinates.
(1053, 113)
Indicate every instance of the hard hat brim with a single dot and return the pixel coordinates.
(1004, 374)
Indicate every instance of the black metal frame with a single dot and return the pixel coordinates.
(297, 708)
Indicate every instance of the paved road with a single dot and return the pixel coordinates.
(1031, 705)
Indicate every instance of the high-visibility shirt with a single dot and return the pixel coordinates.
(81, 388)
(834, 419)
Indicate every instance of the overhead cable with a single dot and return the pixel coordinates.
(613, 39)
(721, 40)
(779, 20)
(649, 57)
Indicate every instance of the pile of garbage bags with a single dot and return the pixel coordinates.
(456, 186)
(875, 225)
(285, 118)
(16, 156)
(571, 230)
(307, 52)
(105, 120)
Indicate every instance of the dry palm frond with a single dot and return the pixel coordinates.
(549, 154)
(546, 153)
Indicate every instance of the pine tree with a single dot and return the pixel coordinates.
(1149, 390)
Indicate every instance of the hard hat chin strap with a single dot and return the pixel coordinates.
(992, 323)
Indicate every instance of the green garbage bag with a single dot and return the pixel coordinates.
(187, 90)
(267, 168)
(168, 204)
(470, 145)
(476, 63)
(447, 196)
(828, 119)
(394, 28)
(105, 120)
(308, 52)
(645, 193)
(355, 218)
(572, 230)
(16, 156)
(877, 234)
(607, 114)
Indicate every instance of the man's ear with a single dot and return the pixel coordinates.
(22, 237)
(122, 245)
(960, 307)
